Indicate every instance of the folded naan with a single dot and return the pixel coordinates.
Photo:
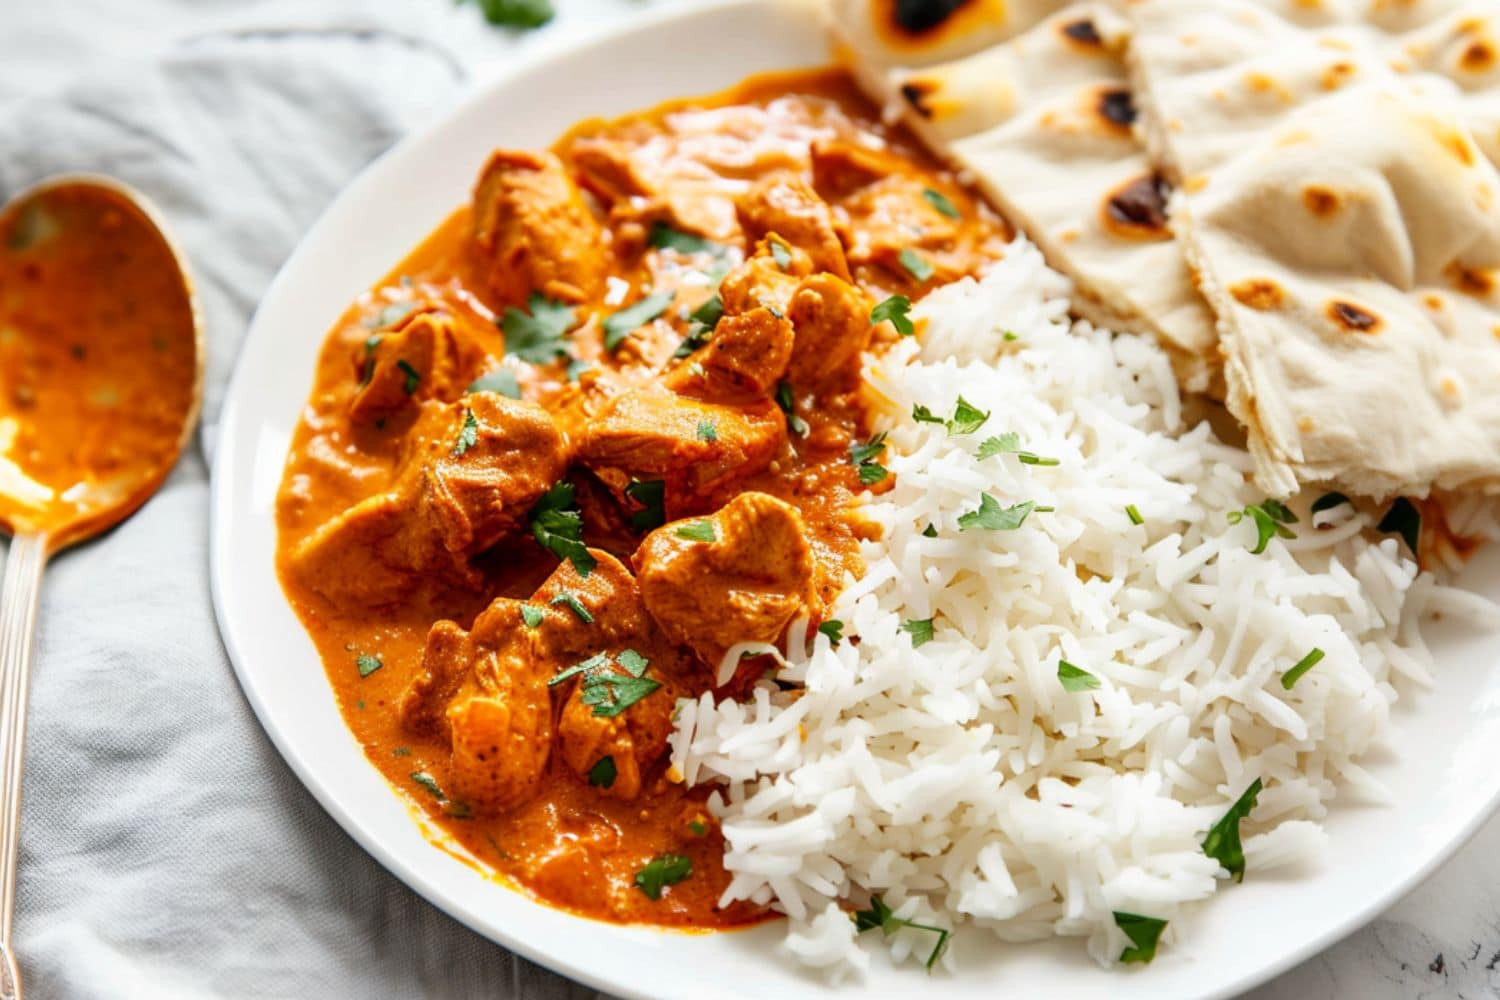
(1345, 226)
(1040, 113)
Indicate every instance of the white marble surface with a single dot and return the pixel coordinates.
(1442, 941)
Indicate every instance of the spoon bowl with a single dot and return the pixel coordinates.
(101, 382)
(102, 353)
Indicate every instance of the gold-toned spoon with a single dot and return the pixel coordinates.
(101, 377)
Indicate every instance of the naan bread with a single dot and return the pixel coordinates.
(1345, 226)
(1042, 118)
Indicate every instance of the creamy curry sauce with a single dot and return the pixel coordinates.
(749, 235)
(97, 353)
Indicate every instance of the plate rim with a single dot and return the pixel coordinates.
(540, 52)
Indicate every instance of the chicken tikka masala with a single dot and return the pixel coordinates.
(602, 426)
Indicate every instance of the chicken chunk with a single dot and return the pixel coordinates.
(742, 585)
(785, 205)
(633, 740)
(496, 710)
(694, 446)
(533, 232)
(458, 493)
(763, 282)
(832, 322)
(892, 211)
(428, 354)
(745, 358)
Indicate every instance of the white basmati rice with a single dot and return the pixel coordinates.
(959, 780)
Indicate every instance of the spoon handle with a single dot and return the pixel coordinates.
(18, 604)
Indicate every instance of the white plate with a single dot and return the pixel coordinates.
(1444, 780)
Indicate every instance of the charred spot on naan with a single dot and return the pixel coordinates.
(1115, 108)
(1137, 209)
(1352, 318)
(915, 25)
(917, 91)
(1321, 201)
(1338, 73)
(1261, 294)
(1083, 34)
(1476, 281)
(1478, 56)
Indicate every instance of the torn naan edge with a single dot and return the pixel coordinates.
(1042, 121)
(1345, 227)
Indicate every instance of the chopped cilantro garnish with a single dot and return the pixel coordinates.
(391, 314)
(930, 531)
(371, 343)
(710, 312)
(368, 664)
(501, 380)
(664, 870)
(537, 337)
(990, 516)
(625, 322)
(1222, 842)
(1134, 513)
(557, 526)
(468, 435)
(609, 693)
(967, 418)
(1302, 666)
(1143, 932)
(895, 310)
(401, 752)
(916, 265)
(1075, 679)
(794, 423)
(781, 253)
(532, 615)
(1271, 519)
(413, 377)
(920, 630)
(698, 531)
(923, 415)
(651, 495)
(603, 773)
(1009, 443)
(863, 456)
(428, 782)
(834, 629)
(664, 237)
(517, 13)
(940, 201)
(708, 430)
(570, 600)
(1405, 520)
(882, 916)
(861, 453)
(1010, 337)
(697, 828)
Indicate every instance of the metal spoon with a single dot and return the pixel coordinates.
(101, 378)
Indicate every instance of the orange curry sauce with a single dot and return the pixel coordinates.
(97, 358)
(666, 191)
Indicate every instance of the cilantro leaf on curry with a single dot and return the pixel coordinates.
(557, 526)
(536, 336)
(625, 322)
(662, 871)
(894, 310)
